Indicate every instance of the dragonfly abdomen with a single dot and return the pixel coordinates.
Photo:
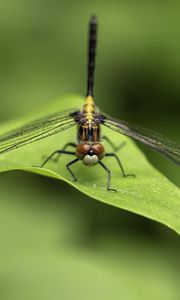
(89, 108)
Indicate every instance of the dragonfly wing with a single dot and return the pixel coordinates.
(36, 130)
(148, 137)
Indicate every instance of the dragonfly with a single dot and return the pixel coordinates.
(89, 121)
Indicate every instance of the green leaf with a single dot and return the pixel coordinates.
(150, 194)
(58, 244)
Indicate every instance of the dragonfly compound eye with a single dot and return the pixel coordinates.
(82, 150)
(99, 150)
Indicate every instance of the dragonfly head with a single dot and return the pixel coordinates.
(90, 154)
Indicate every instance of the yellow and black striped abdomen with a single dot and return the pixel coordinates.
(89, 108)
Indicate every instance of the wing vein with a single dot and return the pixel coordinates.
(148, 137)
(36, 130)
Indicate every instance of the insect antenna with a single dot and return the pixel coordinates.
(92, 41)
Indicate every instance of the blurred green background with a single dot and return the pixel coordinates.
(55, 242)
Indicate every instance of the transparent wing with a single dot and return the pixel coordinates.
(152, 139)
(36, 130)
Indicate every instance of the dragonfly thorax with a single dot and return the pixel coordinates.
(89, 153)
(88, 132)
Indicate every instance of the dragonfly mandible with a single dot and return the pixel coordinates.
(89, 147)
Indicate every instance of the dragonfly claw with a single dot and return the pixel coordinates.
(113, 190)
(129, 175)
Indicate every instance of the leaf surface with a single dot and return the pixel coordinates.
(150, 194)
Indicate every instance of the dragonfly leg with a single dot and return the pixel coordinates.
(120, 164)
(64, 148)
(114, 147)
(109, 177)
(55, 152)
(68, 167)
